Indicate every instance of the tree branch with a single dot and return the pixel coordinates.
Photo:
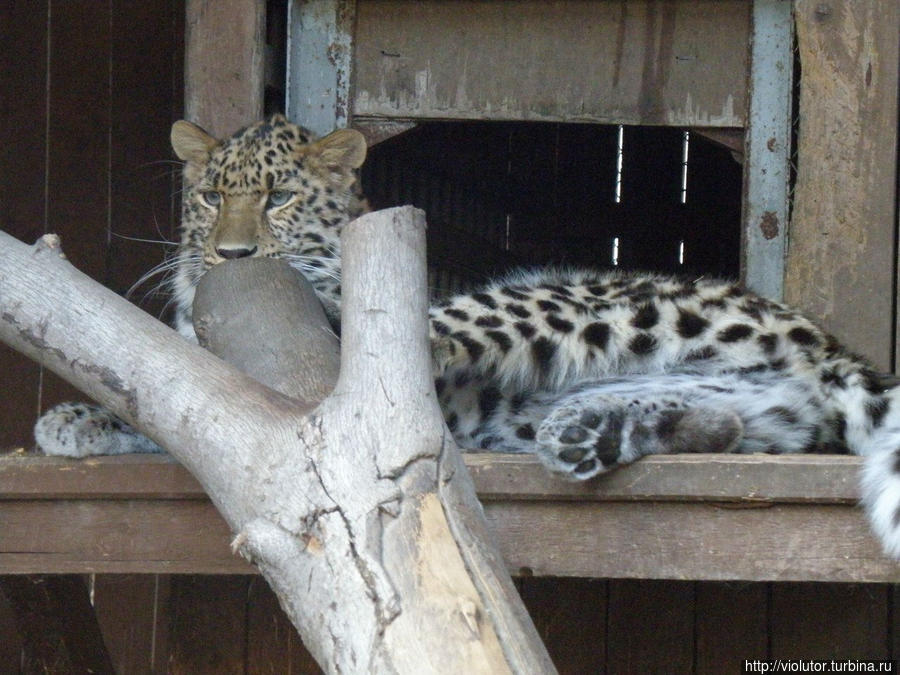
(357, 510)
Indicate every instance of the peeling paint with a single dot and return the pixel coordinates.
(490, 62)
(769, 225)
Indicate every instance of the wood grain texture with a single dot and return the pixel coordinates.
(755, 518)
(224, 86)
(840, 264)
(136, 630)
(208, 625)
(676, 63)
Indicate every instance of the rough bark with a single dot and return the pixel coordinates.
(357, 510)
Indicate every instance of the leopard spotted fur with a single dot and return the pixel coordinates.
(587, 369)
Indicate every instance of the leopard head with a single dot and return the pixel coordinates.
(272, 189)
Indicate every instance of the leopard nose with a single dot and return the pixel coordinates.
(230, 253)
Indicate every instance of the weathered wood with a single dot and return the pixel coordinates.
(400, 532)
(767, 174)
(224, 63)
(696, 516)
(56, 624)
(641, 62)
(320, 59)
(689, 541)
(118, 536)
(753, 479)
(844, 223)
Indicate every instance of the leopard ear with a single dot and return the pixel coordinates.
(191, 143)
(339, 153)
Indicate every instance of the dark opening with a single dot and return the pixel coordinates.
(501, 195)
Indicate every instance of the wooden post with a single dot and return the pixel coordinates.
(224, 57)
(840, 264)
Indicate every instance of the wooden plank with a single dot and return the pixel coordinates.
(647, 540)
(829, 621)
(23, 64)
(121, 536)
(753, 479)
(840, 266)
(750, 479)
(768, 149)
(273, 646)
(651, 630)
(144, 178)
(730, 626)
(125, 477)
(706, 517)
(11, 646)
(614, 539)
(320, 58)
(56, 624)
(570, 616)
(641, 62)
(136, 631)
(224, 86)
(894, 626)
(208, 625)
(78, 119)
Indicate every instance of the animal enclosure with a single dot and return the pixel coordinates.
(677, 564)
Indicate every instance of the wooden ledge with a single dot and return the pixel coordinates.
(739, 517)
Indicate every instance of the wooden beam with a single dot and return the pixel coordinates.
(841, 262)
(641, 62)
(768, 149)
(320, 58)
(224, 72)
(716, 517)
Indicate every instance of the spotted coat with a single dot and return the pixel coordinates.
(587, 369)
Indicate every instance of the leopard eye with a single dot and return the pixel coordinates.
(211, 198)
(278, 198)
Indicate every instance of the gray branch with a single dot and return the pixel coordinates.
(355, 505)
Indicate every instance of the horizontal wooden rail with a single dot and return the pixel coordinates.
(737, 517)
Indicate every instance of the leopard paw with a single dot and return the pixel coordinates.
(589, 435)
(82, 430)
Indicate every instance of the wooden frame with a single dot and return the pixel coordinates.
(702, 517)
(832, 250)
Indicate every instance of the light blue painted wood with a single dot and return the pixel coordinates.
(319, 63)
(768, 148)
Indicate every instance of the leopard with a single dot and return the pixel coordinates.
(587, 369)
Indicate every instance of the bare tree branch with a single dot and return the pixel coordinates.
(357, 510)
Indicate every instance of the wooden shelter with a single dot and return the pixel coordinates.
(502, 120)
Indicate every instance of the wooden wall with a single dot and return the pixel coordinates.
(88, 91)
(232, 624)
